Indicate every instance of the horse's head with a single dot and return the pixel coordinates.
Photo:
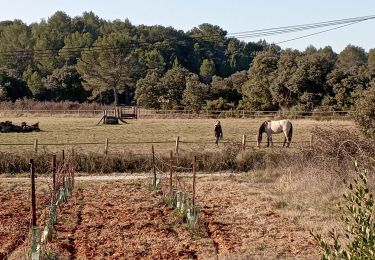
(262, 129)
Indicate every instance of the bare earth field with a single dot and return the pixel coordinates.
(241, 218)
(15, 212)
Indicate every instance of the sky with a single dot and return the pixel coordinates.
(231, 15)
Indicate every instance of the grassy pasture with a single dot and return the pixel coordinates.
(58, 130)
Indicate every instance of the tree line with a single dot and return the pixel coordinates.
(86, 58)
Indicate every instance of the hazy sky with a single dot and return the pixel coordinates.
(231, 15)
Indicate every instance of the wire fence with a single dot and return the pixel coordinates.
(177, 145)
(152, 113)
(178, 188)
(63, 183)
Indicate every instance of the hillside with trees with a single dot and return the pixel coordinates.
(88, 59)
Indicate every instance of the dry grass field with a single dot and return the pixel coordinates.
(124, 137)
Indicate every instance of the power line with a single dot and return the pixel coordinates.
(47, 53)
(311, 34)
(279, 30)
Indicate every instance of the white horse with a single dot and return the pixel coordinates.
(274, 127)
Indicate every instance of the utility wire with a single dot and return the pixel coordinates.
(47, 53)
(279, 30)
(311, 34)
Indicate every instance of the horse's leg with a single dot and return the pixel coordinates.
(284, 141)
(289, 141)
(268, 141)
(271, 141)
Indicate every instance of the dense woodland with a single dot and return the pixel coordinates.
(86, 58)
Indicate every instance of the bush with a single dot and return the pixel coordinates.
(364, 112)
(358, 214)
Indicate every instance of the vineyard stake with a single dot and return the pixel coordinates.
(54, 172)
(170, 172)
(33, 199)
(153, 165)
(194, 176)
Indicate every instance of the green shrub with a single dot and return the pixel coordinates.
(364, 112)
(358, 214)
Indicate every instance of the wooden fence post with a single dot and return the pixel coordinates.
(243, 142)
(35, 146)
(194, 176)
(106, 146)
(54, 172)
(74, 167)
(63, 155)
(177, 144)
(33, 199)
(311, 140)
(153, 165)
(170, 173)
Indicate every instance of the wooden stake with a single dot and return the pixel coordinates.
(177, 144)
(153, 165)
(54, 172)
(106, 146)
(171, 173)
(311, 140)
(63, 155)
(33, 198)
(194, 176)
(36, 146)
(243, 142)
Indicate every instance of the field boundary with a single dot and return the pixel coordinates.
(106, 143)
(189, 114)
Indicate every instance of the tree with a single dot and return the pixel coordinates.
(155, 61)
(256, 91)
(371, 63)
(223, 89)
(149, 92)
(65, 84)
(348, 84)
(73, 43)
(350, 77)
(49, 39)
(15, 47)
(351, 56)
(364, 112)
(12, 88)
(174, 82)
(195, 93)
(207, 70)
(285, 87)
(35, 83)
(110, 68)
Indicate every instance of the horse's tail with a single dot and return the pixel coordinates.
(290, 134)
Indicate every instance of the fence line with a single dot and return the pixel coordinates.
(150, 113)
(107, 143)
(178, 196)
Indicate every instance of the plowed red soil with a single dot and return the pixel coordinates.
(125, 219)
(15, 213)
